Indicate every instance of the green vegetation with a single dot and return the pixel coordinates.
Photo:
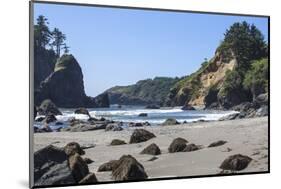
(256, 79)
(149, 91)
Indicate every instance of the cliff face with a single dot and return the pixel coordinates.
(144, 92)
(193, 89)
(65, 87)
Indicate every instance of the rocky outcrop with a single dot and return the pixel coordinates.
(48, 107)
(145, 92)
(128, 168)
(65, 87)
(141, 135)
(235, 162)
(78, 167)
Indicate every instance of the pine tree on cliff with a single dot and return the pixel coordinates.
(42, 34)
(58, 42)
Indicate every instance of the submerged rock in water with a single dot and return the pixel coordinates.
(50, 118)
(141, 135)
(142, 115)
(178, 145)
(82, 111)
(235, 162)
(217, 143)
(128, 168)
(48, 107)
(170, 121)
(152, 149)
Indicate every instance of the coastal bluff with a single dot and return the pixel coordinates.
(65, 87)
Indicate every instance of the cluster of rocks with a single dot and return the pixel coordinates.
(60, 166)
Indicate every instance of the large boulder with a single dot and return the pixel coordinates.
(65, 87)
(89, 179)
(72, 148)
(170, 121)
(51, 167)
(128, 168)
(262, 99)
(141, 135)
(108, 166)
(78, 167)
(152, 149)
(235, 162)
(178, 145)
(114, 127)
(48, 107)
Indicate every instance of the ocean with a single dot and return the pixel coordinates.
(128, 114)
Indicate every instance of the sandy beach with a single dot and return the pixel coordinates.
(245, 136)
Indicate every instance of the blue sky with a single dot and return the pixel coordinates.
(122, 46)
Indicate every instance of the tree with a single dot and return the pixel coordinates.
(42, 34)
(65, 48)
(59, 39)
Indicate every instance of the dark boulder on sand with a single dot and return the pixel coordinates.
(48, 107)
(178, 145)
(51, 167)
(114, 127)
(88, 160)
(72, 148)
(141, 135)
(82, 111)
(170, 121)
(89, 179)
(235, 162)
(152, 149)
(116, 142)
(78, 167)
(108, 166)
(128, 168)
(191, 147)
(217, 143)
(65, 87)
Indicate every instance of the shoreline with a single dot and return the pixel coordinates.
(247, 136)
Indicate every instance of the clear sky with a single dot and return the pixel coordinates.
(121, 46)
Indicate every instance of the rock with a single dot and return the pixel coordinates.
(141, 135)
(73, 148)
(142, 115)
(178, 145)
(153, 158)
(217, 143)
(230, 117)
(187, 107)
(82, 111)
(116, 142)
(235, 162)
(92, 119)
(35, 129)
(170, 121)
(138, 124)
(108, 166)
(88, 160)
(262, 99)
(89, 179)
(65, 87)
(146, 124)
(262, 111)
(48, 107)
(51, 167)
(152, 149)
(78, 167)
(39, 119)
(152, 106)
(114, 127)
(82, 127)
(128, 168)
(190, 148)
(59, 123)
(50, 118)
